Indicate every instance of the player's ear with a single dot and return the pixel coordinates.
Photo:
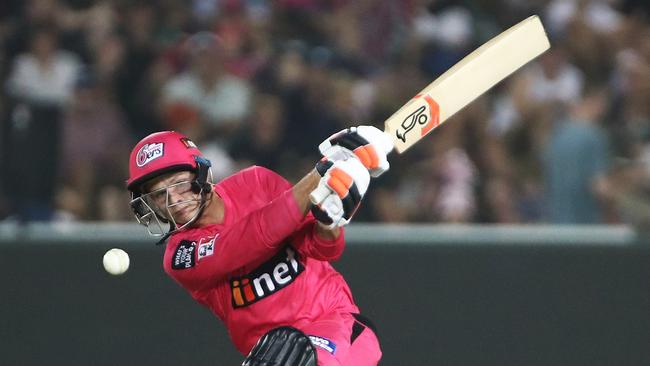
(196, 187)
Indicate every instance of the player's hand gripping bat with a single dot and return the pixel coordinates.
(457, 87)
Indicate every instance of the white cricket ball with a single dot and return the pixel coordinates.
(116, 261)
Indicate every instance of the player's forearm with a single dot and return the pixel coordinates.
(301, 193)
(326, 233)
(302, 189)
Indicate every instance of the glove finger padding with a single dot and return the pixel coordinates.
(347, 181)
(367, 143)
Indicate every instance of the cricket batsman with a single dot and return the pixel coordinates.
(254, 250)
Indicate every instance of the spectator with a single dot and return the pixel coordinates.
(39, 85)
(32, 159)
(222, 100)
(261, 140)
(45, 74)
(95, 136)
(445, 31)
(136, 80)
(576, 161)
(630, 191)
(545, 86)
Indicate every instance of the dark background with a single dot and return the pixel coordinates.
(435, 305)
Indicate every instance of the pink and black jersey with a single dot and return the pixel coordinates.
(264, 266)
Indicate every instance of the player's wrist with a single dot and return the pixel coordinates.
(327, 233)
(339, 192)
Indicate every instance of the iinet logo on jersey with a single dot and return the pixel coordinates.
(267, 279)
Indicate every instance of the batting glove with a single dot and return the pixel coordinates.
(339, 192)
(368, 143)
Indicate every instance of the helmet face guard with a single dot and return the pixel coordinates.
(161, 153)
(156, 211)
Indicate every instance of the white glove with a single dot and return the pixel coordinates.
(370, 144)
(340, 191)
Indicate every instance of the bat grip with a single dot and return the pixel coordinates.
(319, 194)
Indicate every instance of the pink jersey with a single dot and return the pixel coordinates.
(264, 266)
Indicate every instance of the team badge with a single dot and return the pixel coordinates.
(148, 153)
(206, 249)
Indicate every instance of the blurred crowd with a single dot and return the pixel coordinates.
(564, 140)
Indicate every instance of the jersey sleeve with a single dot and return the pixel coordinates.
(273, 183)
(305, 239)
(310, 244)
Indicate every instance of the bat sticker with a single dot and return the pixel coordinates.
(427, 120)
(410, 121)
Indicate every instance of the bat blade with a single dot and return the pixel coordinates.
(467, 80)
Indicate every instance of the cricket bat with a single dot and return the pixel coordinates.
(461, 84)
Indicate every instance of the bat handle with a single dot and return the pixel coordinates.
(319, 194)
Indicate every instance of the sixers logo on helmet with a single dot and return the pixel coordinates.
(149, 152)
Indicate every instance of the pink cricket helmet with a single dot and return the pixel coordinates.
(160, 153)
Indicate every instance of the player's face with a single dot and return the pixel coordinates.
(172, 194)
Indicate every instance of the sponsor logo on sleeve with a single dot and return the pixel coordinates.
(323, 343)
(206, 246)
(270, 277)
(184, 256)
(148, 153)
